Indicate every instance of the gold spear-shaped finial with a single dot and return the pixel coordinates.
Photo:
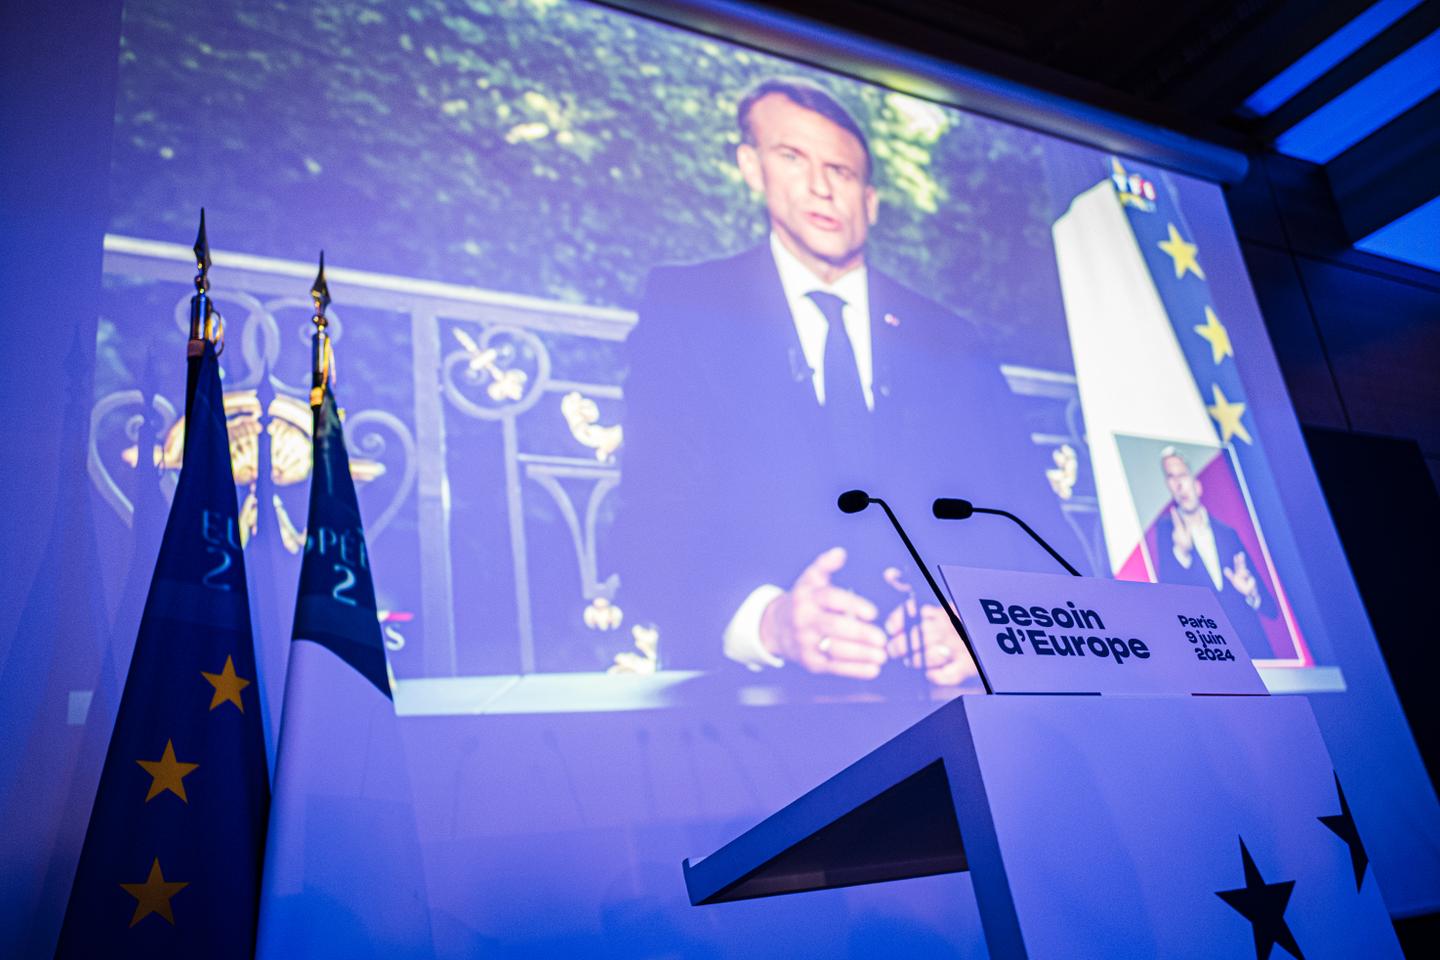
(202, 309)
(322, 356)
(202, 256)
(205, 321)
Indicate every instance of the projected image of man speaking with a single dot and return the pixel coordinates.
(763, 384)
(1197, 548)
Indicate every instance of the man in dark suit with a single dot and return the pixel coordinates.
(1197, 549)
(763, 384)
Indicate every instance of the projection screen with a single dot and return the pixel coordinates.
(583, 265)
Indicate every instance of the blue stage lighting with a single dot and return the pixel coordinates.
(1410, 238)
(1367, 106)
(1333, 49)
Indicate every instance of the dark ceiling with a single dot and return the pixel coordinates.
(1189, 63)
(1191, 66)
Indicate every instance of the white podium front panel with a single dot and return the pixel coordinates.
(1123, 827)
(1043, 633)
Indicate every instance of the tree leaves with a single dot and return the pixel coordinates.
(545, 147)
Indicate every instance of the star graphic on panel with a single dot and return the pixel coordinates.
(1228, 415)
(167, 773)
(153, 896)
(1343, 825)
(1263, 904)
(1214, 331)
(1182, 253)
(227, 685)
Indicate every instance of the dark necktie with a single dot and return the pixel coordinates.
(847, 442)
(844, 400)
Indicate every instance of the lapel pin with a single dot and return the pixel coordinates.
(892, 320)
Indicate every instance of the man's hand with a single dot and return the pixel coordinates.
(1180, 537)
(824, 628)
(947, 662)
(1243, 580)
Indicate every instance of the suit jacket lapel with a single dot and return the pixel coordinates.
(885, 341)
(775, 344)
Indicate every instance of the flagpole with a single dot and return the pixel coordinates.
(322, 357)
(205, 321)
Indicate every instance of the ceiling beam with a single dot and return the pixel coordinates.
(1218, 86)
(1390, 43)
(1390, 172)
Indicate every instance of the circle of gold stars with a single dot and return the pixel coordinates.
(227, 685)
(153, 896)
(1182, 253)
(167, 775)
(1226, 413)
(1214, 332)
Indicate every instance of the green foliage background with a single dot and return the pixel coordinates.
(545, 147)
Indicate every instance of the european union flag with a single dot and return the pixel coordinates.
(172, 857)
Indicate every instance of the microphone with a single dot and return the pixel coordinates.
(953, 508)
(854, 501)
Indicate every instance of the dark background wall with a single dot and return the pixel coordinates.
(1357, 336)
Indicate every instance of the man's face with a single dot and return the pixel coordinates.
(1184, 488)
(814, 178)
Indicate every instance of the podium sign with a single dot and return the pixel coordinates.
(1042, 633)
(1153, 824)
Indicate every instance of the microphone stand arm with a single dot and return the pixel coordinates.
(1033, 536)
(935, 589)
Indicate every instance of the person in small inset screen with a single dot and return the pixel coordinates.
(1196, 548)
(763, 384)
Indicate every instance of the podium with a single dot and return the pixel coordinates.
(1191, 815)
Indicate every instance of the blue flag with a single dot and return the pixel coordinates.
(171, 861)
(343, 867)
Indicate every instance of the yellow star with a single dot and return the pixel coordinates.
(167, 773)
(1214, 331)
(1182, 253)
(227, 685)
(1228, 415)
(153, 896)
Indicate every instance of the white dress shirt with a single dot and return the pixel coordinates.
(1204, 540)
(742, 634)
(1203, 537)
(812, 327)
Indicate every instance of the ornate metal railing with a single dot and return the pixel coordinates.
(476, 352)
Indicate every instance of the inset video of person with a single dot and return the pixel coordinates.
(1198, 549)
